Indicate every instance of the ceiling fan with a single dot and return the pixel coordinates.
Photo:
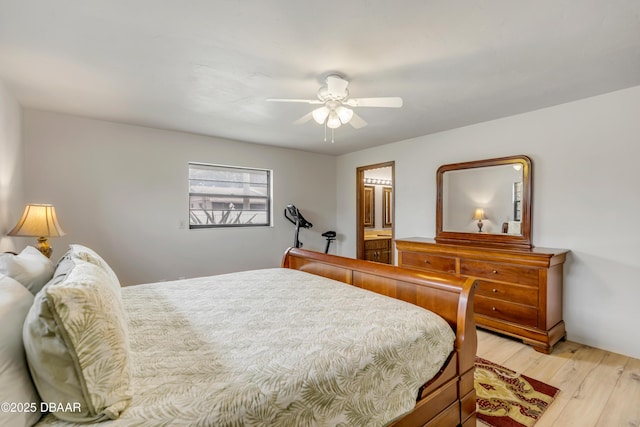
(336, 107)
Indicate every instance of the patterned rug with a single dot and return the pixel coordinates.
(508, 399)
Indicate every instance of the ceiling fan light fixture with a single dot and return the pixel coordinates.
(335, 108)
(320, 114)
(345, 114)
(333, 121)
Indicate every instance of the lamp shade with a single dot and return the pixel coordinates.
(38, 221)
(320, 114)
(479, 214)
(333, 122)
(345, 114)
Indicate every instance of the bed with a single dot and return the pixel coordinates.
(282, 346)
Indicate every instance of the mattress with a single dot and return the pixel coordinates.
(274, 347)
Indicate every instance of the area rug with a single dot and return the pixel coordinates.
(508, 399)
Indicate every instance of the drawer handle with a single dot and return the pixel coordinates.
(494, 271)
(426, 261)
(494, 290)
(493, 308)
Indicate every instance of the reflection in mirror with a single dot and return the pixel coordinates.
(369, 206)
(482, 200)
(380, 181)
(387, 217)
(485, 202)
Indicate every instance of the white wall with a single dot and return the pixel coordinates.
(585, 198)
(123, 191)
(11, 167)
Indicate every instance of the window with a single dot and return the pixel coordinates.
(227, 196)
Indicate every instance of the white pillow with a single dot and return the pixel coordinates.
(77, 345)
(84, 253)
(29, 267)
(16, 387)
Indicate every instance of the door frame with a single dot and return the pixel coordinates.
(360, 206)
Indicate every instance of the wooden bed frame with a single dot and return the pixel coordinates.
(449, 399)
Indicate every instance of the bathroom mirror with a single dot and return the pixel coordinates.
(485, 202)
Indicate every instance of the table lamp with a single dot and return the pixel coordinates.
(479, 215)
(39, 221)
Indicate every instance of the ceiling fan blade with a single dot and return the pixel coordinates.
(303, 119)
(336, 85)
(305, 101)
(388, 102)
(357, 122)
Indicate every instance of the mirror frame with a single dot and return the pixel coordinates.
(487, 239)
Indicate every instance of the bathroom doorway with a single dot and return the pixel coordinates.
(375, 199)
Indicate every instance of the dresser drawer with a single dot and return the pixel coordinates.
(428, 262)
(527, 295)
(503, 310)
(502, 272)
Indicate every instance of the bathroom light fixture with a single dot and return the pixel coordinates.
(378, 181)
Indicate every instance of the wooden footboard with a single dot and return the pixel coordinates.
(449, 398)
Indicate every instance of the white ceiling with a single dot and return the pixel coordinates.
(207, 66)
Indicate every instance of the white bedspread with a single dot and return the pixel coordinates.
(275, 347)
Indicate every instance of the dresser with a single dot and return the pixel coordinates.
(519, 290)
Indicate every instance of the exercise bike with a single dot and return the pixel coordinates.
(295, 217)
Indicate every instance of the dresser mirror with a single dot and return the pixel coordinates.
(485, 202)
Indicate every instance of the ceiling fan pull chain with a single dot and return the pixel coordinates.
(325, 132)
(332, 136)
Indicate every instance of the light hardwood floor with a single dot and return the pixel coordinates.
(597, 388)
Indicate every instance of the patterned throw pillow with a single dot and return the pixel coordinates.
(84, 253)
(77, 346)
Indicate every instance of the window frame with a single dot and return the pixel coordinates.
(268, 198)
